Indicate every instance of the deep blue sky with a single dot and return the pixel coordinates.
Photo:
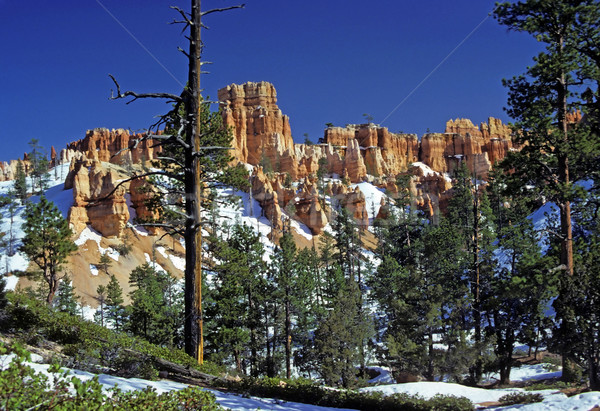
(330, 61)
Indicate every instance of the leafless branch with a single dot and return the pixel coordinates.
(135, 177)
(218, 10)
(171, 228)
(167, 96)
(184, 52)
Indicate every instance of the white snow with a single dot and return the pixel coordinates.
(89, 233)
(163, 251)
(153, 264)
(427, 171)
(93, 269)
(11, 282)
(553, 400)
(529, 372)
(429, 389)
(178, 262)
(112, 253)
(559, 401)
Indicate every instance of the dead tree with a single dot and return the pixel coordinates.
(188, 168)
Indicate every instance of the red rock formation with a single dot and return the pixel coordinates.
(478, 147)
(140, 192)
(308, 207)
(354, 201)
(93, 202)
(263, 192)
(114, 146)
(262, 134)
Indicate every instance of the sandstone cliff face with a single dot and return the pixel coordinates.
(114, 146)
(93, 203)
(479, 147)
(262, 133)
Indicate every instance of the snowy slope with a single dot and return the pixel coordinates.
(55, 193)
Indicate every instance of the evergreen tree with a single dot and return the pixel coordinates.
(339, 337)
(66, 300)
(292, 276)
(47, 241)
(285, 277)
(104, 263)
(12, 208)
(556, 152)
(39, 167)
(154, 306)
(308, 308)
(331, 278)
(115, 312)
(347, 245)
(20, 184)
(99, 316)
(237, 327)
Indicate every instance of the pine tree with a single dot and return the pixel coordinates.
(39, 167)
(339, 337)
(20, 184)
(555, 152)
(152, 313)
(104, 263)
(12, 208)
(99, 316)
(66, 299)
(200, 141)
(47, 241)
(115, 312)
(237, 327)
(284, 276)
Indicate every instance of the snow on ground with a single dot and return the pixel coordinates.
(428, 389)
(63, 200)
(11, 282)
(112, 253)
(93, 269)
(162, 250)
(553, 400)
(531, 372)
(232, 401)
(154, 264)
(178, 262)
(560, 401)
(427, 171)
(245, 210)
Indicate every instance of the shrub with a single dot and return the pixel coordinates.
(91, 346)
(521, 398)
(307, 391)
(21, 388)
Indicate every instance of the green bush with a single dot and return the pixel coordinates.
(21, 388)
(90, 346)
(307, 391)
(521, 398)
(549, 385)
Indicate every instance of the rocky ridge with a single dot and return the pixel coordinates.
(262, 138)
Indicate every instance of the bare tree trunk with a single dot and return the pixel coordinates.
(194, 344)
(288, 336)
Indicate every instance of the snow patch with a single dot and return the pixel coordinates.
(93, 269)
(178, 262)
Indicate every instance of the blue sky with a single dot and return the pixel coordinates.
(330, 61)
